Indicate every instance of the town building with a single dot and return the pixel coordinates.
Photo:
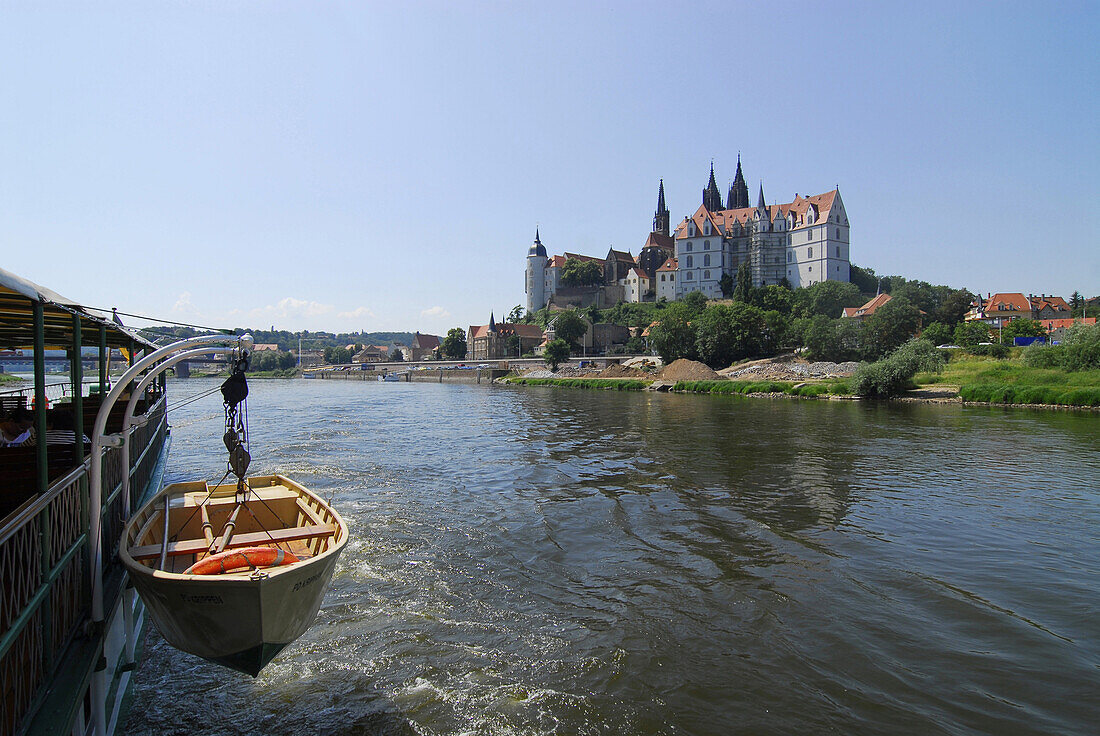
(598, 338)
(1001, 308)
(424, 347)
(501, 341)
(861, 313)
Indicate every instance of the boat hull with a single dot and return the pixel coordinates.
(241, 619)
(241, 623)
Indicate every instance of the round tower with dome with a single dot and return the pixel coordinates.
(536, 275)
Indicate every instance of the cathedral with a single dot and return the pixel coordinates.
(801, 242)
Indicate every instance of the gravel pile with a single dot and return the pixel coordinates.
(796, 371)
(540, 373)
(688, 370)
(621, 371)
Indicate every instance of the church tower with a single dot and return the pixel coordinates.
(739, 191)
(536, 275)
(661, 216)
(712, 198)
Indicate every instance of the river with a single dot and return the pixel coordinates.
(554, 561)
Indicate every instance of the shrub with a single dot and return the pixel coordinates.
(1042, 356)
(893, 374)
(996, 350)
(1082, 348)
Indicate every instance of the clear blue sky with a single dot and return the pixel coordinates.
(383, 166)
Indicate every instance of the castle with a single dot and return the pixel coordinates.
(801, 242)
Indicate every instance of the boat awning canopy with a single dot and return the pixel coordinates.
(17, 299)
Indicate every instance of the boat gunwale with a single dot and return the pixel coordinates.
(340, 537)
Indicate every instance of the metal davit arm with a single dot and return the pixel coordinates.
(95, 485)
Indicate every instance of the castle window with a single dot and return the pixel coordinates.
(809, 235)
(688, 248)
(690, 276)
(811, 268)
(706, 259)
(706, 274)
(838, 251)
(790, 256)
(689, 264)
(838, 233)
(809, 252)
(706, 245)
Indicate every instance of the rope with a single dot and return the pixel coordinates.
(193, 399)
(161, 321)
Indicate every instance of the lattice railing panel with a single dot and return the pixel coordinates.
(68, 607)
(65, 521)
(22, 672)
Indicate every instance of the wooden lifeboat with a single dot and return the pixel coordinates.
(233, 577)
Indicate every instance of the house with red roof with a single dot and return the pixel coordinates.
(500, 341)
(861, 313)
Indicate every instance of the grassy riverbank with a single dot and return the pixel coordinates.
(834, 387)
(1010, 381)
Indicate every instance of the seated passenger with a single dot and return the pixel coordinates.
(15, 429)
(60, 428)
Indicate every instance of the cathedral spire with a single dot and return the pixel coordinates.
(492, 323)
(760, 202)
(739, 191)
(537, 235)
(712, 198)
(661, 216)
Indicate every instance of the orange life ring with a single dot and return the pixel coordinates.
(234, 559)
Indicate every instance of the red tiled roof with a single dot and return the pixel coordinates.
(867, 309)
(660, 240)
(425, 342)
(723, 219)
(584, 258)
(669, 265)
(1055, 324)
(639, 272)
(1007, 302)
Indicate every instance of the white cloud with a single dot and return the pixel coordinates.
(184, 306)
(357, 313)
(435, 312)
(286, 308)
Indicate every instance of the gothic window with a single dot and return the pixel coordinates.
(689, 247)
(706, 274)
(706, 228)
(838, 251)
(809, 235)
(809, 252)
(706, 259)
(689, 264)
(706, 245)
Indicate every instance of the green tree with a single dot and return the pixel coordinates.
(557, 352)
(953, 307)
(1021, 328)
(575, 272)
(743, 291)
(454, 344)
(728, 332)
(1076, 304)
(337, 356)
(775, 298)
(397, 356)
(832, 339)
(937, 333)
(864, 279)
(1082, 348)
(968, 334)
(892, 324)
(516, 315)
(569, 326)
(674, 336)
(828, 298)
(695, 302)
(726, 285)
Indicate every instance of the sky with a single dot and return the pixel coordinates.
(346, 166)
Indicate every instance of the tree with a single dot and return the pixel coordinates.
(557, 351)
(398, 356)
(1021, 328)
(695, 302)
(575, 272)
(832, 339)
(953, 307)
(743, 292)
(828, 298)
(864, 279)
(775, 298)
(337, 356)
(674, 336)
(569, 326)
(968, 334)
(893, 374)
(1076, 304)
(726, 285)
(516, 315)
(937, 333)
(891, 325)
(728, 332)
(454, 344)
